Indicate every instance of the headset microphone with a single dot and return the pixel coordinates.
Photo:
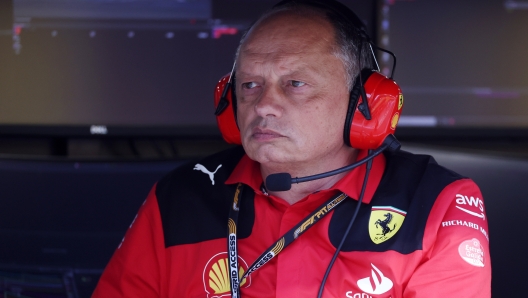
(283, 181)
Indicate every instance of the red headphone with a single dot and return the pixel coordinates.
(368, 122)
(384, 99)
(225, 118)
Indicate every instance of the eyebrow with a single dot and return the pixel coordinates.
(304, 70)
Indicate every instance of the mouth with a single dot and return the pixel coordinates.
(260, 134)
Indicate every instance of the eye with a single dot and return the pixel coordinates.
(297, 83)
(249, 85)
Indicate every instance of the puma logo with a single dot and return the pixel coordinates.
(200, 167)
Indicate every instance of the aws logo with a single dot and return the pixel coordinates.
(385, 222)
(216, 279)
(464, 203)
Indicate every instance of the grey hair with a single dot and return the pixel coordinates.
(347, 44)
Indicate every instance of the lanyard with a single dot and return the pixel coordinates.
(286, 239)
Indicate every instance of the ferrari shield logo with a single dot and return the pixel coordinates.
(385, 222)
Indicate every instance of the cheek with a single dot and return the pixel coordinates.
(246, 120)
(241, 116)
(324, 125)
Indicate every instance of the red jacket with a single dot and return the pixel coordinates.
(420, 232)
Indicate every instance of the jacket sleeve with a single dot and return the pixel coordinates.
(135, 268)
(456, 260)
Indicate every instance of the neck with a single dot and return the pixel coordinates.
(301, 190)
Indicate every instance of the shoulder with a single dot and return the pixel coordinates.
(195, 195)
(417, 182)
(415, 175)
(418, 164)
(212, 170)
(409, 188)
(434, 196)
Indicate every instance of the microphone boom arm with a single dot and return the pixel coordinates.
(341, 170)
(283, 181)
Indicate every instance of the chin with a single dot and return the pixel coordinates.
(266, 153)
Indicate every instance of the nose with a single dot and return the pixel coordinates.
(270, 102)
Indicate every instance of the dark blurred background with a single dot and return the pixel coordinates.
(100, 98)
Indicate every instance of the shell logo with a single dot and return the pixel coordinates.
(216, 276)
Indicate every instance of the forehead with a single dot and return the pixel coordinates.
(287, 32)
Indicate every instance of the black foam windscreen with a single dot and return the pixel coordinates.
(279, 182)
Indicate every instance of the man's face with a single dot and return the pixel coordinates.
(291, 91)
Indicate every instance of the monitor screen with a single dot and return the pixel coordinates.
(124, 63)
(139, 65)
(460, 64)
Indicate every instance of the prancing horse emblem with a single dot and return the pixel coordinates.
(200, 167)
(384, 224)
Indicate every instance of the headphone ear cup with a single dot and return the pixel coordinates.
(226, 119)
(385, 101)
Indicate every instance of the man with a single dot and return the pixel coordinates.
(420, 229)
